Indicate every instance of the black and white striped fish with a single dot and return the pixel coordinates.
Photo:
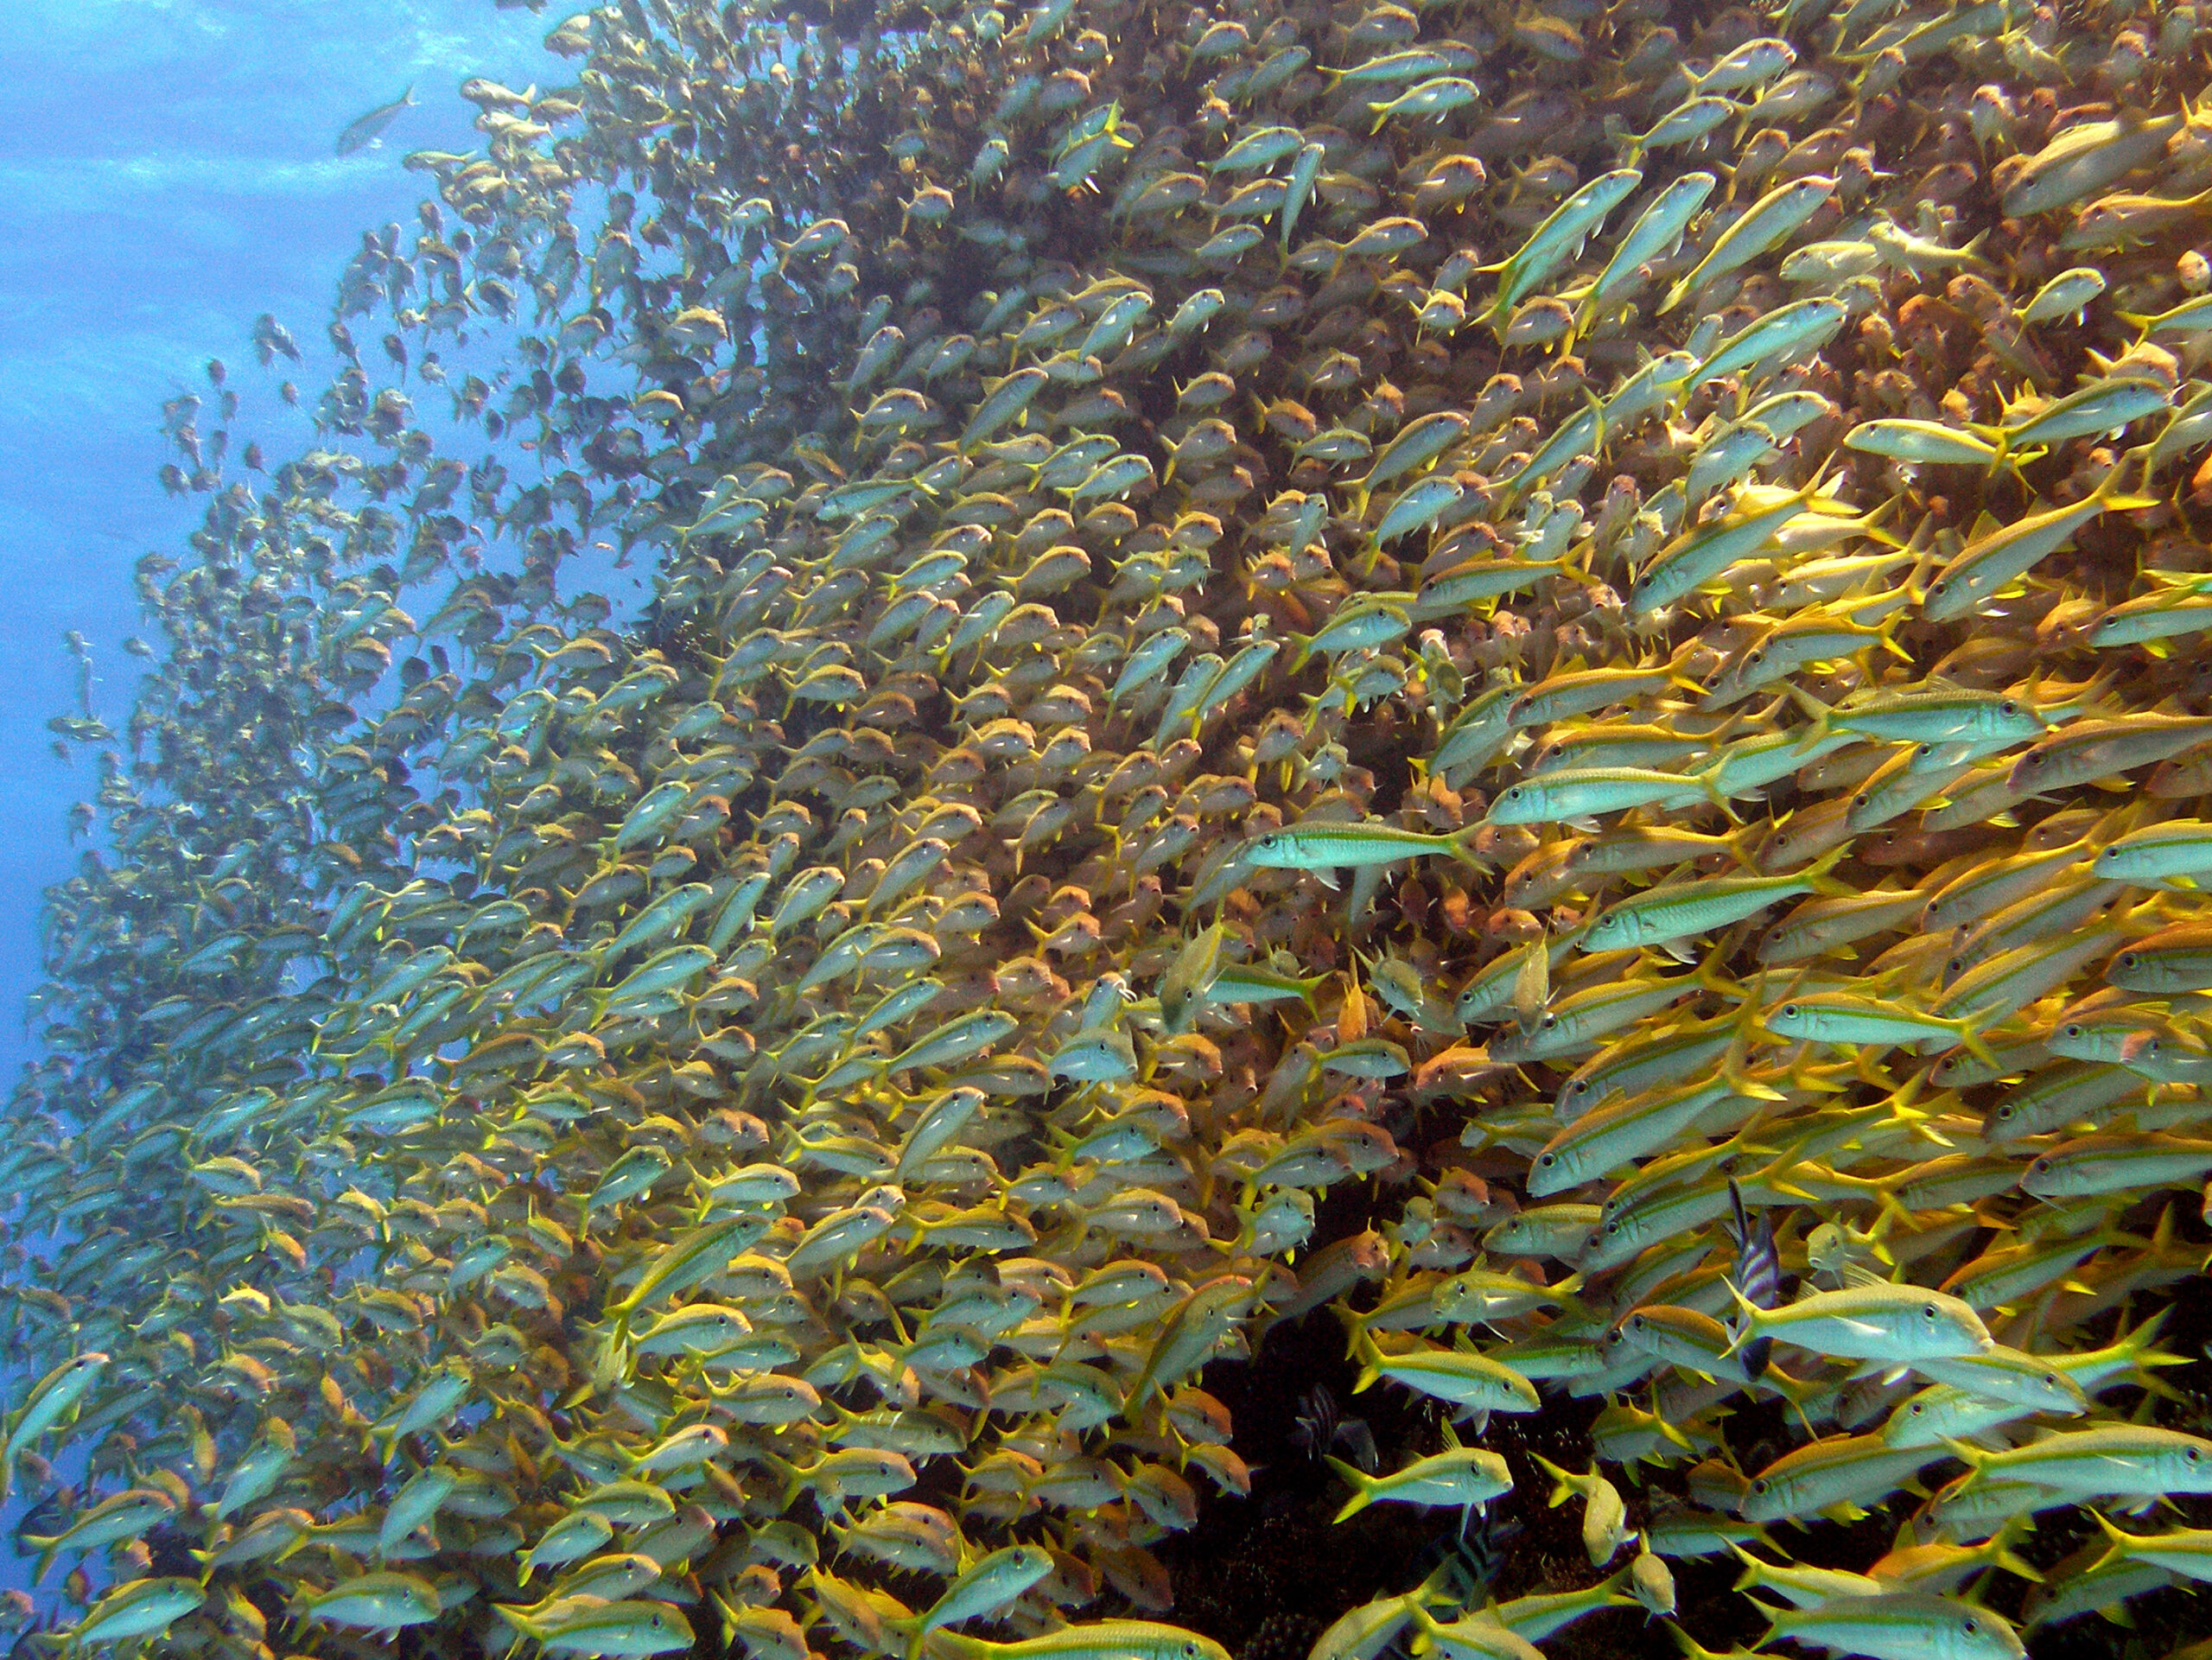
(1759, 1272)
(1320, 1428)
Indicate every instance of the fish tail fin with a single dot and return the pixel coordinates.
(2001, 1552)
(1747, 1318)
(789, 1473)
(1709, 978)
(1972, 1041)
(1437, 1587)
(1709, 781)
(1691, 1648)
(1816, 874)
(2111, 491)
(1967, 1454)
(2118, 1543)
(518, 1617)
(1892, 1209)
(1743, 842)
(2141, 1357)
(1371, 1366)
(1753, 1577)
(1878, 517)
(1133, 1402)
(1821, 715)
(1363, 1487)
(612, 1365)
(2014, 462)
(1424, 1623)
(1885, 635)
(1355, 1335)
(1563, 1486)
(1739, 1051)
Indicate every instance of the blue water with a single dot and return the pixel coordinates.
(167, 174)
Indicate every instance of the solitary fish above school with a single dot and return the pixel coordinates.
(369, 130)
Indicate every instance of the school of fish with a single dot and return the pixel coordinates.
(1516, 693)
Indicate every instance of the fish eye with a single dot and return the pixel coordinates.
(2035, 758)
(1547, 1158)
(1790, 1011)
(1969, 1624)
(1929, 1311)
(1549, 1020)
(1917, 1408)
(2194, 1455)
(2008, 707)
(1759, 1486)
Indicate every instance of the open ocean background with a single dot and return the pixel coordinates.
(168, 173)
